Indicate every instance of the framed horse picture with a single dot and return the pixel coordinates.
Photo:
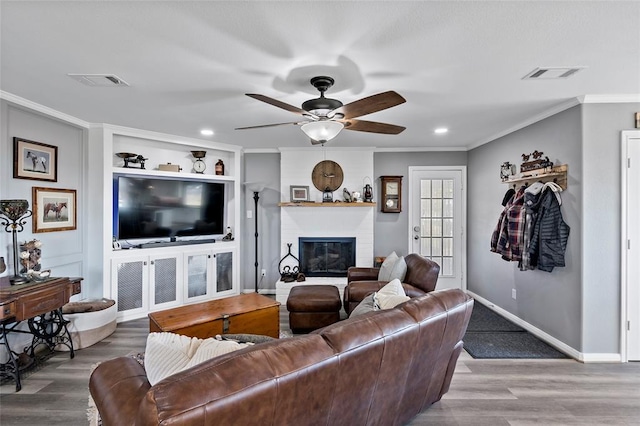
(54, 209)
(34, 160)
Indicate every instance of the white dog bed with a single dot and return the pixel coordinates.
(90, 321)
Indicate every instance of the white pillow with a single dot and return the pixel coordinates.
(393, 267)
(169, 353)
(390, 295)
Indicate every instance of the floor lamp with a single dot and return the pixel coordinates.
(12, 216)
(256, 188)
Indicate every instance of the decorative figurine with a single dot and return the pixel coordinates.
(346, 195)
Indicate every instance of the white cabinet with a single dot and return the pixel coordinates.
(208, 273)
(147, 280)
(145, 283)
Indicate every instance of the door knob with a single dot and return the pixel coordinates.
(416, 228)
(416, 237)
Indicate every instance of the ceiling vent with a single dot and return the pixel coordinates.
(99, 80)
(546, 73)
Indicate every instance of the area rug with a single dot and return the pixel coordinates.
(491, 336)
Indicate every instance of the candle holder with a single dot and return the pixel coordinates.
(13, 215)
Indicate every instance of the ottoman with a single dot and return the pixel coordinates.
(313, 306)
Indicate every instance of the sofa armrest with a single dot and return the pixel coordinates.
(117, 387)
(357, 273)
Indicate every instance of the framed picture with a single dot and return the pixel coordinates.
(299, 193)
(34, 160)
(54, 209)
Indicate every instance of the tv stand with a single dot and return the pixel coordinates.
(155, 244)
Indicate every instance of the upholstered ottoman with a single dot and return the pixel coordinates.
(313, 306)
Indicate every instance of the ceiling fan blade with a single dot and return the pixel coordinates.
(372, 127)
(280, 104)
(295, 123)
(369, 105)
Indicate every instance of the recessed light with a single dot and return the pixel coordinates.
(441, 130)
(206, 132)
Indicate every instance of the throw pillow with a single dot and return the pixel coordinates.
(169, 353)
(390, 295)
(363, 307)
(394, 266)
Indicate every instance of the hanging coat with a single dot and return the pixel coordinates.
(550, 234)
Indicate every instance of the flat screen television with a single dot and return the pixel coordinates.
(156, 207)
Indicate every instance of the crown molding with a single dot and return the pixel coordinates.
(610, 99)
(423, 149)
(50, 112)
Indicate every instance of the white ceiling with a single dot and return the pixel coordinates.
(458, 64)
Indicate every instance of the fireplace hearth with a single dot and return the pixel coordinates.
(326, 256)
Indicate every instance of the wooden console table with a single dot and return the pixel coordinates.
(40, 304)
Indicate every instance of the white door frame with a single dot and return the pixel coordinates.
(625, 307)
(463, 218)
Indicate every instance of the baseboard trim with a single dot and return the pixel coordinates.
(547, 338)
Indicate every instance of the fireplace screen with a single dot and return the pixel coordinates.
(326, 257)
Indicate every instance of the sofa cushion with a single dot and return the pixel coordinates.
(363, 307)
(394, 266)
(169, 353)
(390, 295)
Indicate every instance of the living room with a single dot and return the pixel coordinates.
(578, 308)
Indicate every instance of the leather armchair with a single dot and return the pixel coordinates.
(421, 278)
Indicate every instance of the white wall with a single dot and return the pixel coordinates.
(295, 169)
(64, 251)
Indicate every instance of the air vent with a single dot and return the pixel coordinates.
(99, 80)
(546, 73)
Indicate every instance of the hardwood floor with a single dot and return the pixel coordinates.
(483, 392)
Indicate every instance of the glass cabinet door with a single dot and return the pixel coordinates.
(198, 275)
(224, 271)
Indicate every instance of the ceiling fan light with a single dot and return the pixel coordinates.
(322, 130)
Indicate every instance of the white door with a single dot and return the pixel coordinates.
(437, 219)
(631, 245)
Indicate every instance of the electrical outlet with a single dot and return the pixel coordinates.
(513, 293)
(263, 273)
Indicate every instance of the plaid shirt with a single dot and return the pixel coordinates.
(508, 238)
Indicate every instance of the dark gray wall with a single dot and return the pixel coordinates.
(602, 124)
(391, 229)
(261, 168)
(549, 301)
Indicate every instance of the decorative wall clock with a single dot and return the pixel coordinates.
(327, 175)
(391, 194)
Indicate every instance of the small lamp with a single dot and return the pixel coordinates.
(12, 216)
(256, 188)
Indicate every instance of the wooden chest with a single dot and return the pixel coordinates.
(246, 313)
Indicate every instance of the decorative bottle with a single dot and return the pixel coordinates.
(220, 168)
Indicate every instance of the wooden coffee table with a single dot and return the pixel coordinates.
(250, 313)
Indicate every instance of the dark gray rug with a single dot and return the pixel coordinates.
(491, 336)
(484, 319)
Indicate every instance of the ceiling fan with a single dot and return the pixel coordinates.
(326, 117)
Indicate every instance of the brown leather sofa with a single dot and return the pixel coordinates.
(383, 367)
(421, 278)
